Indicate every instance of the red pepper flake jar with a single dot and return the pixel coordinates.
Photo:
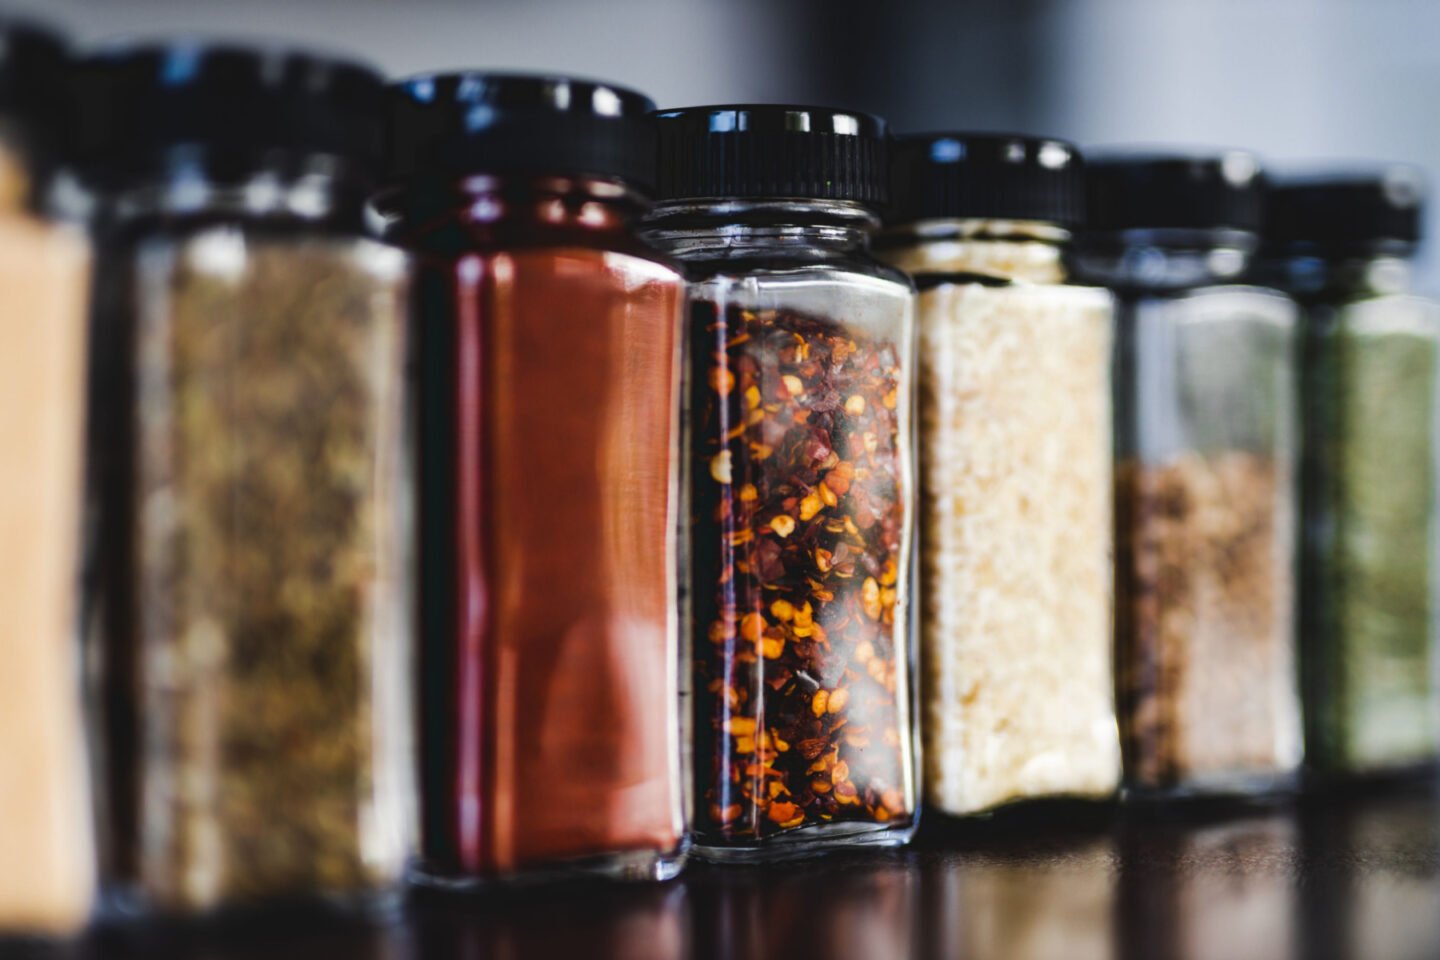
(799, 480)
(547, 345)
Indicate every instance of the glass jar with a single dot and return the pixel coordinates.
(1016, 487)
(798, 456)
(1206, 448)
(46, 838)
(547, 344)
(1341, 245)
(251, 396)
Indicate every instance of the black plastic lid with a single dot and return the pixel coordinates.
(772, 150)
(226, 108)
(34, 94)
(985, 176)
(1345, 211)
(458, 124)
(1174, 191)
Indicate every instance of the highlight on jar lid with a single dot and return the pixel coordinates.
(771, 150)
(1173, 190)
(450, 125)
(224, 109)
(985, 176)
(1345, 210)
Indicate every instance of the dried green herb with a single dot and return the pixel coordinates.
(270, 595)
(1369, 560)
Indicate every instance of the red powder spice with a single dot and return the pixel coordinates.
(548, 375)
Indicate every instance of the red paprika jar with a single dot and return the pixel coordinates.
(547, 345)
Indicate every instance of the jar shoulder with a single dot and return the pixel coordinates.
(858, 269)
(1225, 304)
(1404, 314)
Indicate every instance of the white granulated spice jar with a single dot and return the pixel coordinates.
(1015, 420)
(47, 859)
(1207, 449)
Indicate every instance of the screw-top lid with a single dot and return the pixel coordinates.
(458, 124)
(771, 150)
(225, 108)
(1174, 191)
(985, 176)
(1344, 211)
(34, 99)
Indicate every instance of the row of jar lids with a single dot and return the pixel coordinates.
(126, 112)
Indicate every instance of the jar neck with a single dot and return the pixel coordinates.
(737, 228)
(1335, 277)
(319, 194)
(1165, 259)
(1031, 251)
(494, 208)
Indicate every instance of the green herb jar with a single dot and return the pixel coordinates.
(250, 451)
(1341, 246)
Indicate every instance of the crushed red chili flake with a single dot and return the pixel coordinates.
(800, 658)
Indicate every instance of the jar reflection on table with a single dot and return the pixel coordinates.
(1380, 895)
(584, 919)
(1023, 899)
(1196, 890)
(850, 909)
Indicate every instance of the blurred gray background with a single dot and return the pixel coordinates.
(1293, 79)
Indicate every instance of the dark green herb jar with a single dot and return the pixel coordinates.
(1341, 246)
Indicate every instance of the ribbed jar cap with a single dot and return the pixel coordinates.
(985, 177)
(1131, 191)
(458, 124)
(224, 106)
(771, 150)
(1345, 210)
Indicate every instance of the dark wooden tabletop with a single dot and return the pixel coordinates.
(1349, 874)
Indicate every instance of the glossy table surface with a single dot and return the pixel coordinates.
(1349, 874)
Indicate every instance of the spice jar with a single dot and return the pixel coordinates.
(1015, 471)
(1205, 479)
(47, 856)
(798, 457)
(1341, 245)
(251, 358)
(547, 343)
